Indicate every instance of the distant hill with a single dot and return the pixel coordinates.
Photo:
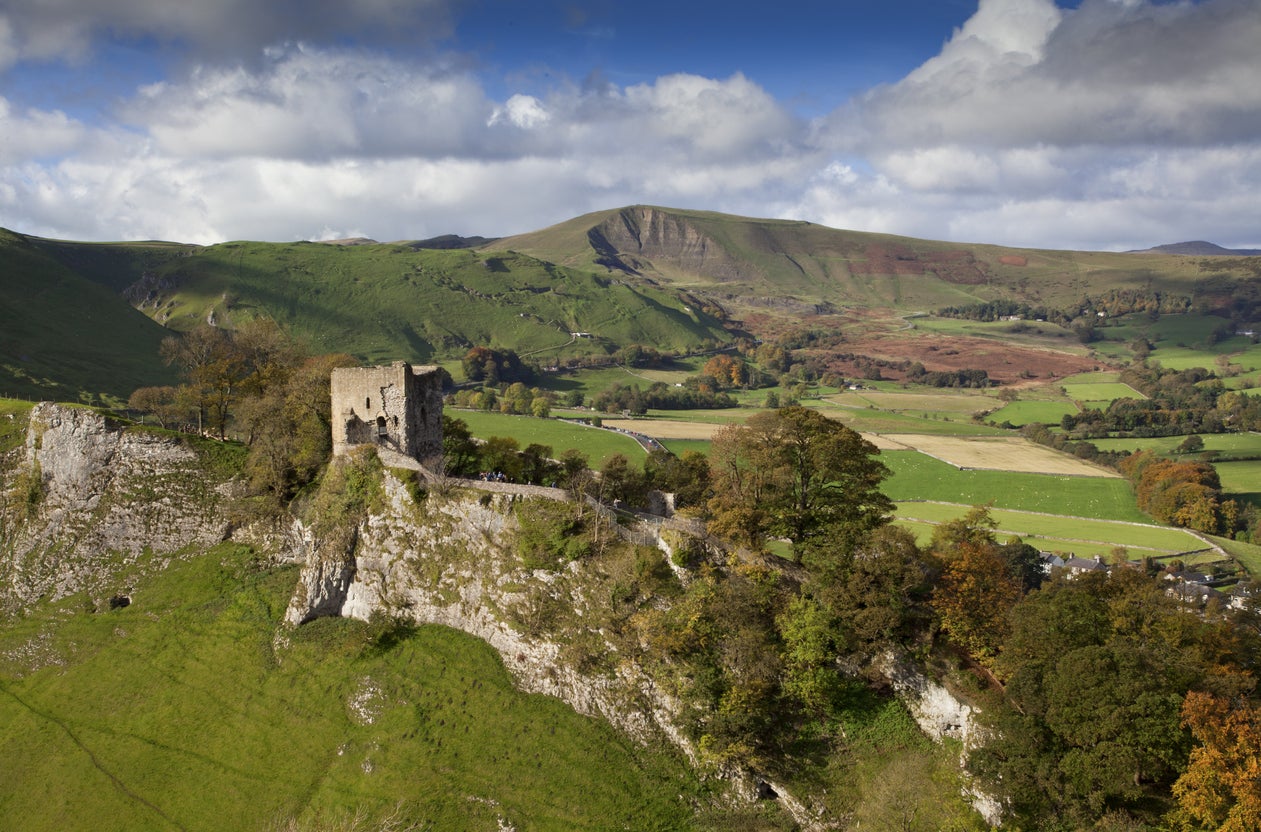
(1201, 248)
(85, 318)
(794, 267)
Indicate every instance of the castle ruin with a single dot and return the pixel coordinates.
(397, 407)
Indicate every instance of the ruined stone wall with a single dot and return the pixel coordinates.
(397, 407)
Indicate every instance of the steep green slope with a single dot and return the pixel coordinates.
(67, 335)
(383, 302)
(185, 711)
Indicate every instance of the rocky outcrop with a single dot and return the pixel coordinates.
(667, 240)
(940, 715)
(937, 711)
(100, 496)
(452, 561)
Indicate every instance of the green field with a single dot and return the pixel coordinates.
(1247, 554)
(1226, 444)
(1020, 413)
(1101, 392)
(1152, 539)
(559, 434)
(182, 711)
(1241, 480)
(886, 421)
(1182, 341)
(923, 532)
(920, 477)
(678, 447)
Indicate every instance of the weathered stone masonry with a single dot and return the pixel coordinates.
(397, 407)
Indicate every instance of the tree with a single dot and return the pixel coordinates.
(976, 528)
(460, 453)
(974, 598)
(875, 588)
(1221, 787)
(619, 480)
(1192, 444)
(795, 473)
(166, 404)
(212, 371)
(499, 455)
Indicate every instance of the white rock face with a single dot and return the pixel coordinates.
(939, 715)
(454, 565)
(937, 711)
(108, 494)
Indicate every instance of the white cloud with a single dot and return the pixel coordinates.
(309, 103)
(1022, 72)
(524, 111)
(36, 134)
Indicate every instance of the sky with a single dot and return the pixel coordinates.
(1098, 124)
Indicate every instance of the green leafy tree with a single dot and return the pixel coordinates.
(460, 453)
(795, 473)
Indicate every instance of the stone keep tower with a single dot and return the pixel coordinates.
(397, 407)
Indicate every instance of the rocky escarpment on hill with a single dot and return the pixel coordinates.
(87, 496)
(666, 240)
(455, 559)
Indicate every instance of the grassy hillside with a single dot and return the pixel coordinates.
(383, 302)
(667, 278)
(184, 711)
(65, 333)
(755, 260)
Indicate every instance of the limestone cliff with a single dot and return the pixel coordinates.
(101, 496)
(97, 496)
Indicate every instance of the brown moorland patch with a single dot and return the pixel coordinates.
(1005, 362)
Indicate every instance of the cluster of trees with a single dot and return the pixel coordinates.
(514, 398)
(495, 366)
(1234, 297)
(1181, 493)
(729, 372)
(258, 385)
(1112, 303)
(1111, 705)
(967, 378)
(1178, 402)
(694, 393)
(752, 652)
(1114, 707)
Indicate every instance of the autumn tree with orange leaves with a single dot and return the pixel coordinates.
(1221, 787)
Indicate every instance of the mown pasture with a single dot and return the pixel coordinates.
(1241, 480)
(916, 476)
(1150, 538)
(1226, 445)
(559, 434)
(1021, 413)
(1102, 391)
